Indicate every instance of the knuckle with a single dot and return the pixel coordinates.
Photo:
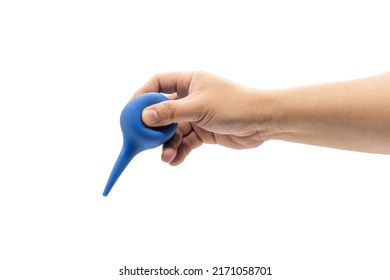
(186, 148)
(170, 110)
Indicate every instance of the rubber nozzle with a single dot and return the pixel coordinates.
(138, 137)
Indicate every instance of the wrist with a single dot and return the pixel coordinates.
(268, 114)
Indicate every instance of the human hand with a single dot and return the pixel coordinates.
(208, 109)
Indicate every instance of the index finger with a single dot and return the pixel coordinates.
(172, 82)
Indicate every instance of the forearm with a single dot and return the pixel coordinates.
(351, 115)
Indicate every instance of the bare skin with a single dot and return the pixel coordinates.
(352, 115)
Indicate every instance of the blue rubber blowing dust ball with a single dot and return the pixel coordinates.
(138, 137)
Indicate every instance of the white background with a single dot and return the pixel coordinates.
(67, 68)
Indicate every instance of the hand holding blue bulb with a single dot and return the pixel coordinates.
(138, 137)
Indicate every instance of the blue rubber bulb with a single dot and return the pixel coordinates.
(138, 137)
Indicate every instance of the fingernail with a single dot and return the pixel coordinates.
(149, 116)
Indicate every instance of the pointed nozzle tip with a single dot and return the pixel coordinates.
(107, 190)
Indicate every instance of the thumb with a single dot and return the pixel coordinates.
(167, 112)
